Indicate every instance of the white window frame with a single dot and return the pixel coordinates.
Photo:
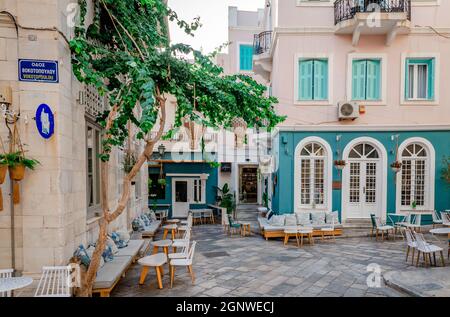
(238, 59)
(202, 188)
(429, 176)
(384, 77)
(94, 209)
(437, 75)
(328, 176)
(329, 101)
(416, 82)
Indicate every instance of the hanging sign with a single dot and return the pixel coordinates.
(45, 121)
(38, 71)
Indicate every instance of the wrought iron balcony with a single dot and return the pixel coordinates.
(262, 42)
(347, 9)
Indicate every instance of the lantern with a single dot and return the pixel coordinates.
(194, 130)
(240, 130)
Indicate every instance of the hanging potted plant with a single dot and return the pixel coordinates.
(3, 169)
(340, 164)
(161, 180)
(17, 163)
(396, 166)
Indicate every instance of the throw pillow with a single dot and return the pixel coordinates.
(145, 219)
(269, 214)
(80, 253)
(124, 235)
(108, 255)
(112, 244)
(303, 219)
(90, 252)
(151, 215)
(290, 220)
(137, 225)
(318, 218)
(332, 217)
(277, 221)
(118, 241)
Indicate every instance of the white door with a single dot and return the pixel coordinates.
(364, 182)
(180, 197)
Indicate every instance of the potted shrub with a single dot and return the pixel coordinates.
(340, 164)
(17, 163)
(396, 166)
(162, 182)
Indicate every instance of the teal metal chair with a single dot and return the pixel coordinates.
(234, 226)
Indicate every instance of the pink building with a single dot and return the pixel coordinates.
(362, 82)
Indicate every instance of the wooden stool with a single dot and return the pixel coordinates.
(306, 233)
(164, 244)
(290, 233)
(245, 229)
(172, 229)
(157, 261)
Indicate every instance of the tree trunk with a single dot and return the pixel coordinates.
(109, 216)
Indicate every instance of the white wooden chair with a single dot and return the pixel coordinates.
(427, 250)
(6, 274)
(380, 227)
(446, 218)
(187, 262)
(55, 282)
(414, 222)
(197, 217)
(411, 244)
(437, 218)
(329, 230)
(180, 243)
(187, 226)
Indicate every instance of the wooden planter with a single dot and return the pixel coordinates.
(3, 169)
(17, 173)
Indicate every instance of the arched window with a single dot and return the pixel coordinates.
(415, 175)
(313, 161)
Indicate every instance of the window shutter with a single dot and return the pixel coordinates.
(359, 80)
(407, 92)
(373, 79)
(305, 79)
(431, 78)
(246, 57)
(320, 80)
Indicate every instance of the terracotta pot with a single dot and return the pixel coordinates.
(3, 169)
(17, 173)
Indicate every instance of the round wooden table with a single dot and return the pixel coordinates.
(245, 229)
(173, 221)
(164, 244)
(306, 232)
(172, 229)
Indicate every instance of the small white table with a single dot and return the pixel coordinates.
(157, 261)
(440, 231)
(13, 283)
(164, 244)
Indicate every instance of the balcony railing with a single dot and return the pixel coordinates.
(262, 42)
(347, 9)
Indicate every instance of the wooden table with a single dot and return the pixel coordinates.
(172, 229)
(10, 284)
(164, 244)
(173, 221)
(245, 229)
(157, 261)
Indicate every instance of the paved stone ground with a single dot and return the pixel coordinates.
(236, 266)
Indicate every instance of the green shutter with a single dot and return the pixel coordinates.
(407, 78)
(320, 79)
(431, 78)
(359, 80)
(246, 57)
(373, 83)
(305, 80)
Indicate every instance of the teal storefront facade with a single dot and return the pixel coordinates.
(309, 181)
(194, 182)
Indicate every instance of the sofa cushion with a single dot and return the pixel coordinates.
(124, 235)
(277, 220)
(290, 221)
(318, 217)
(269, 214)
(133, 248)
(118, 241)
(111, 272)
(332, 218)
(110, 242)
(82, 254)
(152, 228)
(138, 225)
(303, 218)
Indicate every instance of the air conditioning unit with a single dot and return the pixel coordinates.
(348, 110)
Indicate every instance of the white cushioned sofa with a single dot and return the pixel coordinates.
(110, 274)
(274, 226)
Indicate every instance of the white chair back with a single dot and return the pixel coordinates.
(6, 274)
(446, 218)
(191, 253)
(55, 282)
(415, 219)
(437, 217)
(421, 242)
(409, 238)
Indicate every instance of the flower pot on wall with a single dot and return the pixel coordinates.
(3, 169)
(17, 172)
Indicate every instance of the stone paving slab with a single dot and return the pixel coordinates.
(253, 267)
(421, 282)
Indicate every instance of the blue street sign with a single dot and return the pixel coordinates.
(38, 71)
(45, 121)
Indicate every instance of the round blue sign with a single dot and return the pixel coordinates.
(45, 121)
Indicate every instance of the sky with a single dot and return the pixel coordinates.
(214, 18)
